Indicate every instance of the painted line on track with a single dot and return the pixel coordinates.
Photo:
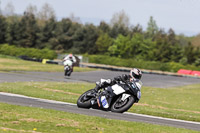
(128, 113)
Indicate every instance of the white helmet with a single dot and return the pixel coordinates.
(136, 73)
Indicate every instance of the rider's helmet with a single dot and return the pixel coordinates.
(70, 56)
(136, 73)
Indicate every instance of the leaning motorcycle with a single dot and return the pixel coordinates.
(116, 98)
(67, 67)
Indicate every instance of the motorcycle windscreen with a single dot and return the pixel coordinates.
(117, 89)
(139, 84)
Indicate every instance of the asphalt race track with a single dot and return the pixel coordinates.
(153, 80)
(161, 81)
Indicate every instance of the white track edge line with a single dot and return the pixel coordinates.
(163, 118)
(39, 99)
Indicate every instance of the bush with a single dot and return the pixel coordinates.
(150, 65)
(11, 50)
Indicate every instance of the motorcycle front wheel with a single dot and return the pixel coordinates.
(120, 106)
(84, 101)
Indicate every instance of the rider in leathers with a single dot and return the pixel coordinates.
(71, 58)
(135, 74)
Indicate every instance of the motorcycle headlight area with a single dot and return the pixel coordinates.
(138, 94)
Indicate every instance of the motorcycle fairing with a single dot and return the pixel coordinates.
(66, 67)
(117, 89)
(125, 96)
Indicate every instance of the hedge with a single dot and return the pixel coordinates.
(12, 50)
(150, 65)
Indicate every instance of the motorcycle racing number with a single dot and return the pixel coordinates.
(104, 102)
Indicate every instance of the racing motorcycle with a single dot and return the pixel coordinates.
(68, 70)
(68, 67)
(115, 98)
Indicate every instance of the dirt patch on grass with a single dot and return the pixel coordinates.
(15, 122)
(60, 125)
(98, 128)
(73, 123)
(30, 120)
(61, 91)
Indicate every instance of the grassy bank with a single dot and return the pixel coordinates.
(28, 119)
(8, 63)
(179, 103)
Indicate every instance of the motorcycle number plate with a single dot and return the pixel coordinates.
(104, 102)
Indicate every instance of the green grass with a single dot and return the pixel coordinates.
(8, 63)
(15, 119)
(180, 102)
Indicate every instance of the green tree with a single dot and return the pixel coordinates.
(29, 30)
(11, 32)
(190, 53)
(85, 38)
(120, 24)
(136, 29)
(122, 47)
(104, 27)
(3, 27)
(162, 49)
(152, 28)
(118, 29)
(103, 42)
(174, 46)
(48, 32)
(143, 48)
(69, 30)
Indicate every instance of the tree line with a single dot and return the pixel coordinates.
(117, 38)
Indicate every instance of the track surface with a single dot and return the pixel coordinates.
(161, 81)
(153, 80)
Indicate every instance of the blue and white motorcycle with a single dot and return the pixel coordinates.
(116, 98)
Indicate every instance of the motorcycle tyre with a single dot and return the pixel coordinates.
(86, 104)
(131, 101)
(69, 73)
(65, 73)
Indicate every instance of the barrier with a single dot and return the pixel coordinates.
(184, 71)
(195, 73)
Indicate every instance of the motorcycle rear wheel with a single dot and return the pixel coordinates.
(120, 106)
(84, 101)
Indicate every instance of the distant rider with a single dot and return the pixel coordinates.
(69, 60)
(134, 75)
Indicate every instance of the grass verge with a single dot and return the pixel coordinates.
(8, 63)
(28, 119)
(179, 103)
